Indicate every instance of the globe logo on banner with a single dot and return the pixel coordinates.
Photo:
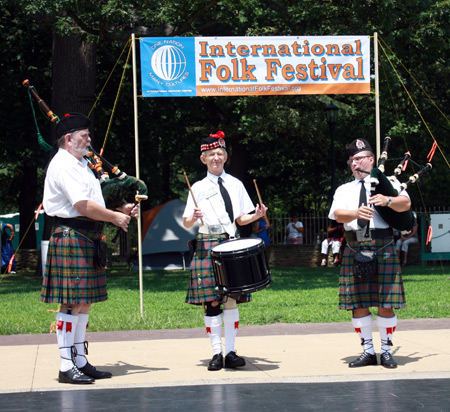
(168, 63)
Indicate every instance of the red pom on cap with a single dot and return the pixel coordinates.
(218, 135)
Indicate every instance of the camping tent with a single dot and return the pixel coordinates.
(165, 239)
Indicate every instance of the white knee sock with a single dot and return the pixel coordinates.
(231, 325)
(80, 337)
(65, 330)
(386, 326)
(363, 327)
(214, 329)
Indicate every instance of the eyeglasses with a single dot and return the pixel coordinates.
(356, 159)
(213, 155)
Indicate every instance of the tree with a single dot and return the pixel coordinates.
(22, 158)
(280, 141)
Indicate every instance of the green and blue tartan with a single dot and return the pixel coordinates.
(385, 290)
(70, 275)
(202, 281)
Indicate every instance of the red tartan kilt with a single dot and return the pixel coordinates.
(384, 291)
(202, 281)
(70, 275)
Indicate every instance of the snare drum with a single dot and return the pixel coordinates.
(240, 266)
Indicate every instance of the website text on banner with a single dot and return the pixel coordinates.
(243, 66)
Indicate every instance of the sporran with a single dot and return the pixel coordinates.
(365, 264)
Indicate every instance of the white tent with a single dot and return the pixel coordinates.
(165, 239)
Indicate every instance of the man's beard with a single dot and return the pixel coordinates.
(83, 151)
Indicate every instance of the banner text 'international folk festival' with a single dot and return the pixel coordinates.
(243, 66)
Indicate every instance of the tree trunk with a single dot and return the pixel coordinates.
(73, 83)
(74, 76)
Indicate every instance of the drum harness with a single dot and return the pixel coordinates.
(224, 221)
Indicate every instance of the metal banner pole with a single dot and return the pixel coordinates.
(377, 96)
(136, 148)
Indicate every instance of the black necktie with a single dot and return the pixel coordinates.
(362, 201)
(226, 199)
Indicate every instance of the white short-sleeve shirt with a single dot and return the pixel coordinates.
(209, 200)
(292, 232)
(67, 182)
(347, 197)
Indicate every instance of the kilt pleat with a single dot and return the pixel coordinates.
(70, 276)
(385, 290)
(202, 281)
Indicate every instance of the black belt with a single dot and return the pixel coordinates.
(374, 233)
(79, 223)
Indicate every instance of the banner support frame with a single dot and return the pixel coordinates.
(136, 149)
(377, 96)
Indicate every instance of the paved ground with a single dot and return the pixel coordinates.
(288, 366)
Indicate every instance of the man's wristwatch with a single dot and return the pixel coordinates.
(389, 202)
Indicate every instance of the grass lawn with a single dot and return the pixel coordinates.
(297, 295)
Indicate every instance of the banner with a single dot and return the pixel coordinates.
(244, 66)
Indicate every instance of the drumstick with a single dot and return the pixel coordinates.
(260, 200)
(192, 194)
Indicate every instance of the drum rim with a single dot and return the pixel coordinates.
(258, 243)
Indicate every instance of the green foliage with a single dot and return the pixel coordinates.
(283, 142)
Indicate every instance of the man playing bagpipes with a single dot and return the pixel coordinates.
(217, 212)
(74, 273)
(370, 272)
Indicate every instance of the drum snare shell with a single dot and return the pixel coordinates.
(240, 266)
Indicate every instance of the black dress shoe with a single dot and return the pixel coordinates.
(365, 359)
(90, 370)
(387, 360)
(234, 361)
(74, 375)
(216, 363)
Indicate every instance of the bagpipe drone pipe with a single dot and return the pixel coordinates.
(117, 189)
(381, 184)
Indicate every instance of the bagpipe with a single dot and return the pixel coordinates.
(116, 190)
(119, 189)
(381, 184)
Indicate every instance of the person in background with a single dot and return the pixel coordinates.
(261, 230)
(405, 240)
(217, 211)
(294, 231)
(335, 232)
(7, 249)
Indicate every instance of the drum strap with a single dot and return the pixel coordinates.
(231, 230)
(218, 229)
(217, 204)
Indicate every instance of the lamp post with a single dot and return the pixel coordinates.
(332, 114)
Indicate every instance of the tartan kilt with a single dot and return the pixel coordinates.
(385, 290)
(202, 281)
(70, 276)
